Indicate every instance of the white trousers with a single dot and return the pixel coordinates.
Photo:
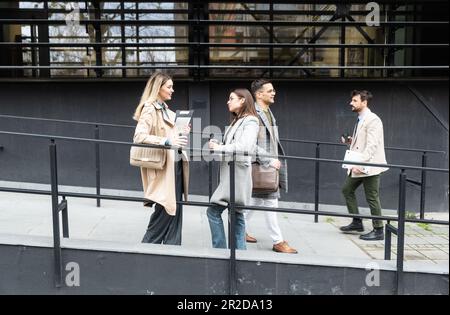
(271, 217)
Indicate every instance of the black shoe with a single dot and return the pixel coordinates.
(356, 226)
(376, 234)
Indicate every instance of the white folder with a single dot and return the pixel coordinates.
(353, 156)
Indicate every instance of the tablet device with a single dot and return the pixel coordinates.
(182, 119)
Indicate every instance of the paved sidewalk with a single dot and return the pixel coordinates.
(422, 241)
(126, 222)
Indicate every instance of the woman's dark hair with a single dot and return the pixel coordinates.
(248, 107)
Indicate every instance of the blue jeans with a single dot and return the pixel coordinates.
(217, 231)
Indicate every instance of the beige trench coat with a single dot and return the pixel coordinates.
(159, 185)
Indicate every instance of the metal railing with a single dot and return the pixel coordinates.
(420, 183)
(232, 206)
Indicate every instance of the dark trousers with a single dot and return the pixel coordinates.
(164, 228)
(371, 189)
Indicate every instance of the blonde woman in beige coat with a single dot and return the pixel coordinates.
(162, 188)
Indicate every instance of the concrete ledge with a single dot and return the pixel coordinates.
(212, 253)
(28, 269)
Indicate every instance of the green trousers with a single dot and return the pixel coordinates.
(371, 188)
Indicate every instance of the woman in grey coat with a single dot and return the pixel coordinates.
(241, 136)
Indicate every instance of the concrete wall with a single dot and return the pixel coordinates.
(305, 110)
(29, 270)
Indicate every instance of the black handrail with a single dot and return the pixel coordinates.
(207, 204)
(56, 208)
(241, 153)
(421, 184)
(100, 124)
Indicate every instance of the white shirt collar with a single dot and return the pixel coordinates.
(363, 114)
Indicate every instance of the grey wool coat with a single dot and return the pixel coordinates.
(269, 144)
(239, 137)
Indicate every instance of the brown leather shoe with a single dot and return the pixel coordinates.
(250, 239)
(284, 247)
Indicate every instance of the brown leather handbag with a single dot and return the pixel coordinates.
(152, 158)
(265, 179)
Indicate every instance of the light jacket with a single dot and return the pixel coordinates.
(159, 185)
(369, 140)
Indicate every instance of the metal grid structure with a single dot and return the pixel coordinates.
(224, 39)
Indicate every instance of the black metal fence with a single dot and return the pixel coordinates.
(62, 206)
(318, 144)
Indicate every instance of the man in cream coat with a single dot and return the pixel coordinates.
(367, 139)
(268, 143)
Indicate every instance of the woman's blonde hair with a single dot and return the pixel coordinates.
(151, 91)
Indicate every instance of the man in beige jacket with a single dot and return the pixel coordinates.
(368, 140)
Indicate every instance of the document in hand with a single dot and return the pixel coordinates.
(182, 119)
(352, 156)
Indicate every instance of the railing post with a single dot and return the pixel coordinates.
(55, 215)
(388, 245)
(423, 186)
(65, 217)
(97, 163)
(316, 183)
(401, 232)
(388, 241)
(232, 229)
(210, 173)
